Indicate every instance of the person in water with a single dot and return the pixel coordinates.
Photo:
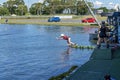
(67, 38)
(102, 36)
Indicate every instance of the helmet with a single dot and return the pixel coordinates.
(61, 34)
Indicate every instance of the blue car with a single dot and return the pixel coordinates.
(54, 19)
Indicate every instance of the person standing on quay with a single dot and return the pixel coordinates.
(102, 35)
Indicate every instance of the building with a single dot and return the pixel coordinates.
(114, 20)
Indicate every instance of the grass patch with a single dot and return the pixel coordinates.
(44, 22)
(63, 75)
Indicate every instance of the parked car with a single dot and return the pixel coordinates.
(89, 20)
(54, 19)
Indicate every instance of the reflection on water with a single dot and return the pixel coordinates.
(31, 52)
(65, 54)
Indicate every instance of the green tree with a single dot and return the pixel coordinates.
(55, 6)
(3, 11)
(112, 10)
(82, 8)
(52, 4)
(47, 7)
(21, 10)
(36, 9)
(104, 9)
(46, 10)
(58, 6)
(12, 5)
(19, 2)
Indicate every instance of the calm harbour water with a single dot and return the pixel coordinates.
(31, 52)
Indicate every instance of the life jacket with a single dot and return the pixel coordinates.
(65, 37)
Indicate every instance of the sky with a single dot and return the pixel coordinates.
(27, 2)
(97, 3)
(106, 3)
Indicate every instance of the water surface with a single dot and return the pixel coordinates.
(31, 52)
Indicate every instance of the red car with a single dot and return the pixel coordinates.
(88, 20)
